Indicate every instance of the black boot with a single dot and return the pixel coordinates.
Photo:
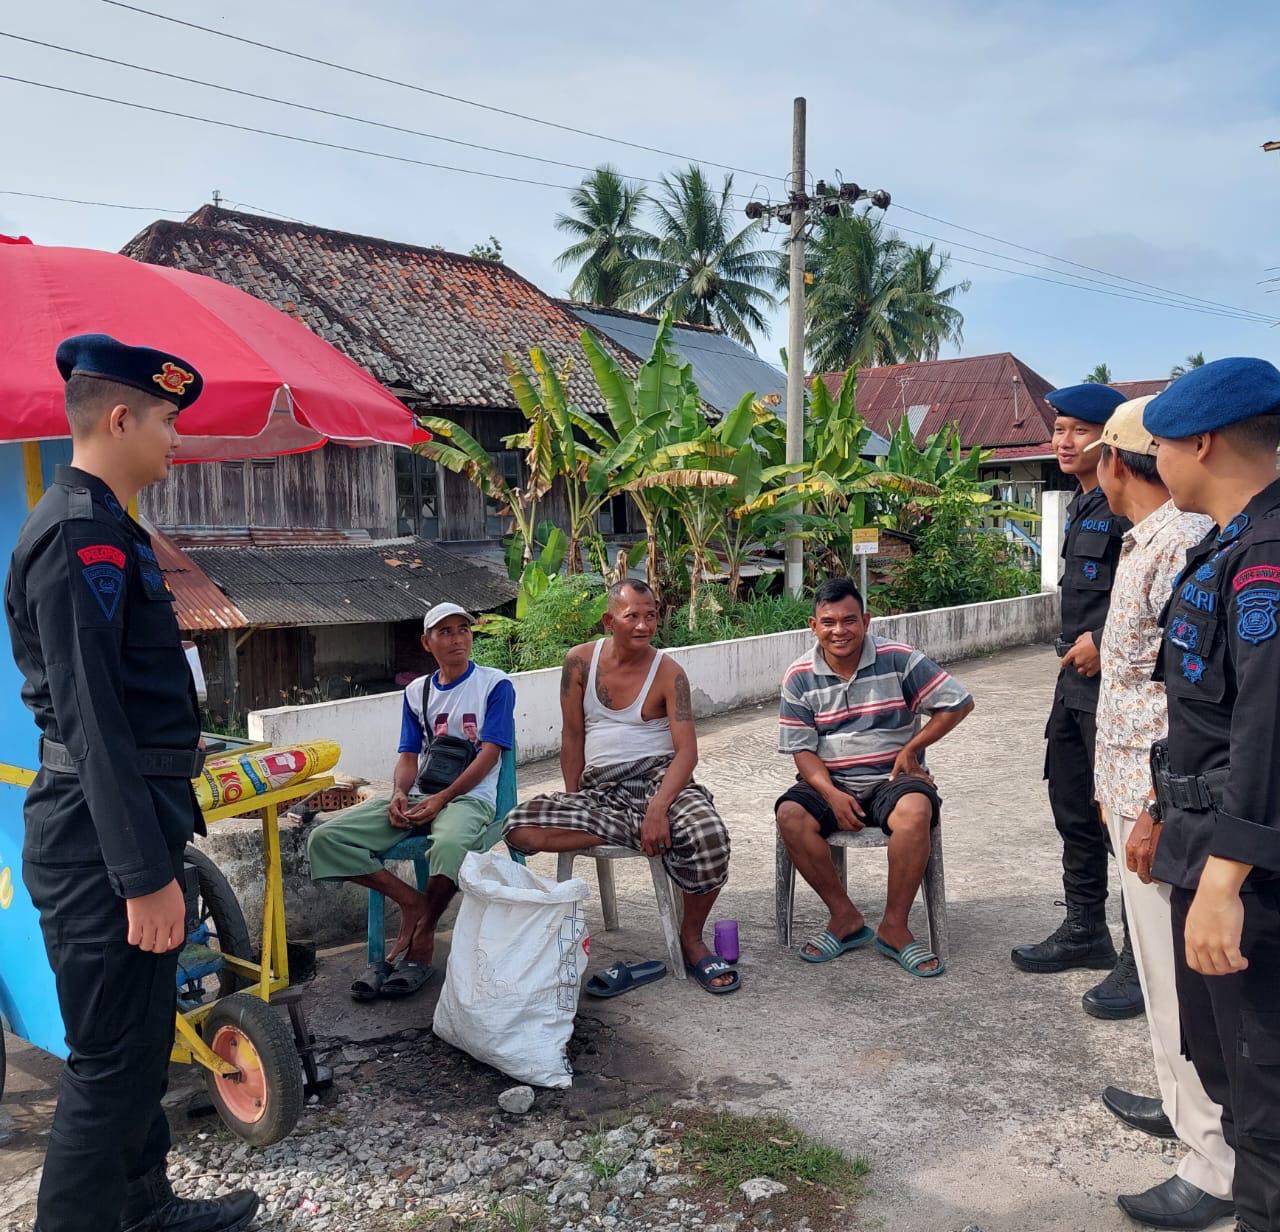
(1120, 994)
(152, 1206)
(1081, 940)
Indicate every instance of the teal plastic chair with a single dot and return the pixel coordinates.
(415, 847)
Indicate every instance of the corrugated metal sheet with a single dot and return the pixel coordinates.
(996, 399)
(357, 583)
(1140, 389)
(198, 603)
(264, 536)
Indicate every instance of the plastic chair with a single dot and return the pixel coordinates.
(415, 847)
(670, 900)
(933, 887)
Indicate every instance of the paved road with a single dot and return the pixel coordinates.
(974, 1096)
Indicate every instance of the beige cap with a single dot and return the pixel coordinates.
(1124, 429)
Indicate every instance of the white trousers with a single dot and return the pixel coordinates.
(1209, 1162)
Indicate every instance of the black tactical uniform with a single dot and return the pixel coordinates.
(112, 808)
(1091, 550)
(1219, 786)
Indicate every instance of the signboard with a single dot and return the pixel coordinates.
(866, 542)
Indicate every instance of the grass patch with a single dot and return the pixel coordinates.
(822, 1182)
(599, 1160)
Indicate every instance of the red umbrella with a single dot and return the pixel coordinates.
(270, 385)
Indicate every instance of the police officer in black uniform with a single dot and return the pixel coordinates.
(111, 809)
(1090, 553)
(1217, 778)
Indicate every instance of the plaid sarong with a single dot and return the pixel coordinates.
(611, 805)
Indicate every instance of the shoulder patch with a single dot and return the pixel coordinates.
(1256, 619)
(101, 553)
(102, 567)
(1255, 573)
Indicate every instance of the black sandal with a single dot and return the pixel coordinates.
(368, 986)
(623, 977)
(707, 969)
(409, 977)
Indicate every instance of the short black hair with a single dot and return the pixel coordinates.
(635, 585)
(89, 397)
(837, 590)
(1141, 465)
(1259, 434)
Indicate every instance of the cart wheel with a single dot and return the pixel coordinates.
(219, 907)
(262, 1103)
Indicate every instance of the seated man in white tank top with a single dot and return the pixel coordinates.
(628, 751)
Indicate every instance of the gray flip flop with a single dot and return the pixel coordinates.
(409, 977)
(367, 986)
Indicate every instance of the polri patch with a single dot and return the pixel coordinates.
(1192, 667)
(102, 567)
(1255, 573)
(1102, 525)
(1090, 569)
(1185, 634)
(1203, 600)
(1234, 528)
(1256, 615)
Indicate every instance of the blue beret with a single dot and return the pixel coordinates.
(154, 372)
(1214, 395)
(1091, 402)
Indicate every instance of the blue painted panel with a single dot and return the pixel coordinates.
(53, 453)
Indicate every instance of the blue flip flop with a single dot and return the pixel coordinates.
(912, 957)
(829, 946)
(623, 977)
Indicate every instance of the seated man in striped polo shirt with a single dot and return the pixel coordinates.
(850, 716)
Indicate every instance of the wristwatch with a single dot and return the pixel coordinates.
(1154, 811)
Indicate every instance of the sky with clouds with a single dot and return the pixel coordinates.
(1125, 136)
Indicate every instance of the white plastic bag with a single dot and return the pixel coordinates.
(519, 952)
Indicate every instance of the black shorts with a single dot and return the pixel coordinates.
(877, 802)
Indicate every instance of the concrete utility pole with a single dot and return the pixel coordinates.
(795, 342)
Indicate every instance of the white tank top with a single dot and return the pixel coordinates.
(617, 736)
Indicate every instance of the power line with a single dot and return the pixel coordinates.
(107, 205)
(258, 209)
(453, 98)
(1243, 314)
(1063, 260)
(267, 132)
(1075, 286)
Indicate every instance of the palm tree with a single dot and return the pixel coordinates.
(608, 238)
(1101, 375)
(701, 270)
(875, 299)
(1193, 361)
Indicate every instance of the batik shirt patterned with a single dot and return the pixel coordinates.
(1132, 712)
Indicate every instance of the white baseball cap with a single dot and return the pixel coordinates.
(443, 610)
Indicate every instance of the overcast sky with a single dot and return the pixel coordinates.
(1122, 135)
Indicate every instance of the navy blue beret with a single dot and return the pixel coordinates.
(1212, 396)
(154, 372)
(1091, 402)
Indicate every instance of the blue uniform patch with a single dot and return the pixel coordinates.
(1192, 667)
(145, 553)
(1256, 621)
(1233, 528)
(1185, 634)
(1204, 600)
(1090, 569)
(113, 506)
(1099, 524)
(106, 584)
(1206, 571)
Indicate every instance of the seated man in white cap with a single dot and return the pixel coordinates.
(455, 725)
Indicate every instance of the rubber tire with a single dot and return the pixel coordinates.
(228, 920)
(272, 1039)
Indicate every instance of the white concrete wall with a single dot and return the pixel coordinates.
(1053, 514)
(722, 677)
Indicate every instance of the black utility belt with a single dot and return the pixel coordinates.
(1061, 645)
(151, 763)
(1192, 793)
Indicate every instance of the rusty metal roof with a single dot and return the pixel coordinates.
(996, 399)
(1140, 389)
(372, 582)
(264, 536)
(198, 603)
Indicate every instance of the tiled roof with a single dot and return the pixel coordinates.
(996, 399)
(1140, 389)
(354, 583)
(431, 325)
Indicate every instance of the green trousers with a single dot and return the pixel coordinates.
(351, 843)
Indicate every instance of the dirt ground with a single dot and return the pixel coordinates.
(974, 1096)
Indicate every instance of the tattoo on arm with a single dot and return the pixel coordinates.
(571, 672)
(684, 703)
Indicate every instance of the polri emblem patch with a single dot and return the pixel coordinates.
(102, 567)
(1090, 569)
(1192, 667)
(1256, 621)
(1185, 634)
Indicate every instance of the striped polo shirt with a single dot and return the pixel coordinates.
(859, 726)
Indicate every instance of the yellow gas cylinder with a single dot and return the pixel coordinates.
(234, 777)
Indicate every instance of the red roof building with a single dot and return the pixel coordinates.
(1140, 389)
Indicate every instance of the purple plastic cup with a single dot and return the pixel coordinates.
(727, 940)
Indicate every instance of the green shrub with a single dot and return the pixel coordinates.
(566, 613)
